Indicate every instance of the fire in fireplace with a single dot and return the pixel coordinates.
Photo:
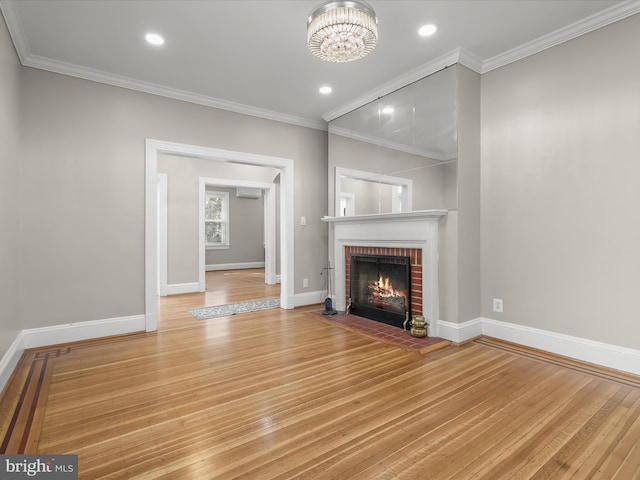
(381, 287)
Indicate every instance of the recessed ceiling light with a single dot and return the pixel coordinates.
(326, 90)
(154, 39)
(427, 30)
(387, 110)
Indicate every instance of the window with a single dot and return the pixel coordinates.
(216, 220)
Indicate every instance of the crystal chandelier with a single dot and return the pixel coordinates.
(342, 31)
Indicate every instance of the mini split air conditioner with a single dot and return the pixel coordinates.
(245, 192)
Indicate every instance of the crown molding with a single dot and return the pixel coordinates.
(564, 34)
(173, 93)
(15, 29)
(411, 76)
(28, 60)
(477, 64)
(460, 55)
(470, 60)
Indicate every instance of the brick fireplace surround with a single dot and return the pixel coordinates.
(415, 233)
(416, 270)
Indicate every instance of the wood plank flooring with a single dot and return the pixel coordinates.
(222, 287)
(280, 395)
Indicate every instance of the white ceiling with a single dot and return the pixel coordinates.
(251, 56)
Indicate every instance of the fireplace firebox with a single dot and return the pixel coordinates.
(381, 288)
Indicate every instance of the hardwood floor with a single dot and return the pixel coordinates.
(230, 286)
(222, 287)
(279, 394)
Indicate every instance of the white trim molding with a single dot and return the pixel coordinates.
(309, 298)
(65, 333)
(459, 332)
(599, 353)
(222, 246)
(481, 65)
(162, 234)
(233, 266)
(28, 59)
(75, 332)
(178, 288)
(10, 359)
(601, 19)
(617, 12)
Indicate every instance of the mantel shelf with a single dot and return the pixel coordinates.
(383, 217)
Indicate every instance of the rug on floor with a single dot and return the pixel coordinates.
(234, 308)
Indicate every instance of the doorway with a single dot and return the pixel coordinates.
(250, 242)
(285, 168)
(268, 191)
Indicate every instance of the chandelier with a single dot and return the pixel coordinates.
(342, 31)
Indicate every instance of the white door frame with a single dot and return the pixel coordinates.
(162, 234)
(153, 148)
(269, 190)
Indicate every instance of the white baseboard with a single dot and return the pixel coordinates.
(66, 333)
(459, 332)
(233, 266)
(10, 359)
(75, 332)
(308, 298)
(273, 279)
(178, 288)
(599, 353)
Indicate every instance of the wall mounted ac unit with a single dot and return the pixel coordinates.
(245, 192)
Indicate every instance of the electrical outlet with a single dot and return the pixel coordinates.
(497, 305)
(303, 221)
(305, 283)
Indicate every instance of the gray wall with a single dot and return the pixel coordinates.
(84, 156)
(459, 231)
(10, 175)
(561, 187)
(468, 194)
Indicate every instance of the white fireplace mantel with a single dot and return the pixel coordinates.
(383, 217)
(417, 229)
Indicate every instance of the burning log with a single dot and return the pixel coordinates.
(384, 296)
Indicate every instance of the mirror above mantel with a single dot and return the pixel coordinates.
(399, 152)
